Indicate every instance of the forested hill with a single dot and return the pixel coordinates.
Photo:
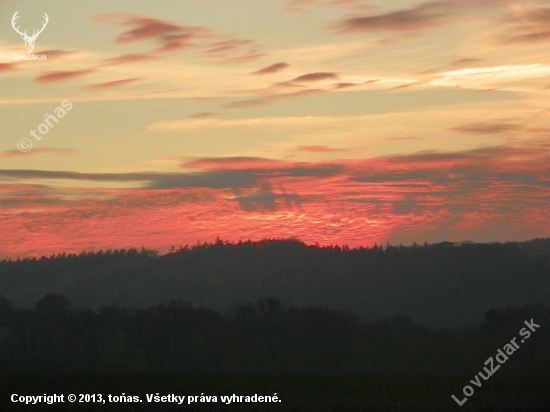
(441, 284)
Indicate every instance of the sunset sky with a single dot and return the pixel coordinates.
(331, 121)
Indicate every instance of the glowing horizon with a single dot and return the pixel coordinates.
(338, 122)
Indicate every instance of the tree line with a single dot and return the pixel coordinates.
(439, 285)
(255, 337)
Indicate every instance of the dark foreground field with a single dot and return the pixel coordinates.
(296, 392)
(322, 329)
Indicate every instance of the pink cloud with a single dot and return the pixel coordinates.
(61, 76)
(58, 54)
(113, 84)
(39, 151)
(527, 24)
(129, 58)
(201, 115)
(274, 68)
(498, 128)
(7, 67)
(270, 98)
(339, 86)
(302, 6)
(313, 77)
(418, 18)
(403, 139)
(171, 36)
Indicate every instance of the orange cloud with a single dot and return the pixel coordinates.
(497, 128)
(317, 149)
(61, 76)
(267, 99)
(339, 86)
(129, 58)
(7, 67)
(527, 25)
(113, 84)
(313, 77)
(301, 6)
(38, 151)
(201, 115)
(403, 139)
(58, 54)
(274, 68)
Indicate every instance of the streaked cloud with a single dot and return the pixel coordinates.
(527, 24)
(313, 77)
(112, 84)
(498, 128)
(418, 18)
(200, 122)
(317, 149)
(171, 37)
(6, 67)
(201, 115)
(486, 76)
(61, 76)
(302, 6)
(59, 54)
(39, 151)
(274, 68)
(267, 99)
(403, 139)
(130, 58)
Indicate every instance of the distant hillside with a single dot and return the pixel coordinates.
(442, 284)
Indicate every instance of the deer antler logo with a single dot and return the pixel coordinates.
(29, 40)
